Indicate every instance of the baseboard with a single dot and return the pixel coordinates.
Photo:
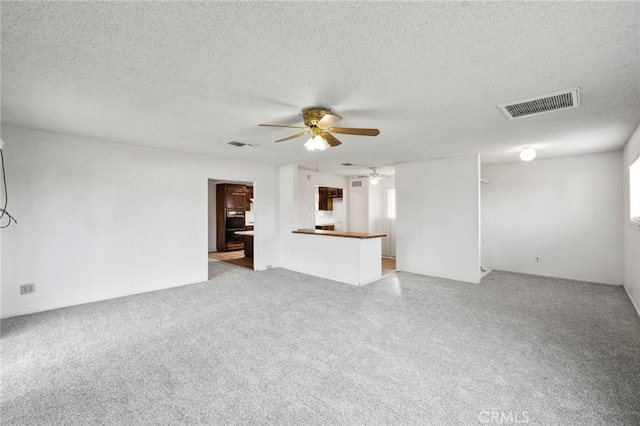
(64, 305)
(93, 300)
(441, 276)
(560, 277)
(633, 302)
(485, 273)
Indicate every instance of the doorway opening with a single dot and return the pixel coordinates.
(372, 209)
(230, 220)
(388, 265)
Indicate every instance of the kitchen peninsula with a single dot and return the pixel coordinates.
(348, 257)
(247, 239)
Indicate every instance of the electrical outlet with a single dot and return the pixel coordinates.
(536, 259)
(27, 288)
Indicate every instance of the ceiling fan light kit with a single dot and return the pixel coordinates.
(317, 143)
(319, 123)
(374, 176)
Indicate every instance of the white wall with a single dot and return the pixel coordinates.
(98, 219)
(306, 199)
(631, 233)
(378, 220)
(339, 213)
(565, 210)
(2, 195)
(288, 199)
(438, 218)
(357, 210)
(374, 204)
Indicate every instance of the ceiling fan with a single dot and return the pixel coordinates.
(374, 176)
(319, 124)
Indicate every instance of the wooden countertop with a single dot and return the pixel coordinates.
(360, 235)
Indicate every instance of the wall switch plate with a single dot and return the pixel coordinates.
(536, 259)
(27, 288)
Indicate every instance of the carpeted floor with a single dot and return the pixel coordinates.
(278, 347)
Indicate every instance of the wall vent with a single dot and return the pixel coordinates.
(541, 104)
(356, 183)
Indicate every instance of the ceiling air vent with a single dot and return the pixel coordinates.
(238, 144)
(348, 164)
(540, 104)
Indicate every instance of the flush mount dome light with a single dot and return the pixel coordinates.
(527, 154)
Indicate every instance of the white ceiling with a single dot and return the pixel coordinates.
(192, 76)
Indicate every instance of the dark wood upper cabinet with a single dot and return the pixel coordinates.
(235, 196)
(322, 198)
(248, 197)
(326, 196)
(334, 192)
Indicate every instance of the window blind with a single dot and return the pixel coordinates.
(634, 191)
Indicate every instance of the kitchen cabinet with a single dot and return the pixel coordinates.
(334, 192)
(326, 196)
(230, 216)
(322, 199)
(235, 196)
(324, 202)
(248, 197)
(247, 238)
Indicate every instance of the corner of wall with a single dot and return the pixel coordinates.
(631, 235)
(288, 195)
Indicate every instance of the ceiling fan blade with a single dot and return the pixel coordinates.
(331, 140)
(281, 125)
(295, 136)
(354, 131)
(328, 120)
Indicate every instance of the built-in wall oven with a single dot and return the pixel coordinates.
(235, 219)
(235, 222)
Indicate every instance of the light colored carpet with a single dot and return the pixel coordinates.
(278, 347)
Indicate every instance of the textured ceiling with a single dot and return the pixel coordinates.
(192, 76)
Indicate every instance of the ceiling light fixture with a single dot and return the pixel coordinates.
(320, 121)
(527, 154)
(374, 176)
(316, 143)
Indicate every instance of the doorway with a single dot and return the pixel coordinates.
(230, 223)
(372, 209)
